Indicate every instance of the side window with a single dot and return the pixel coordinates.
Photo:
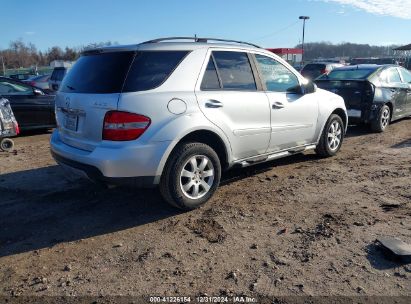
(393, 76)
(277, 78)
(210, 79)
(14, 88)
(151, 68)
(406, 76)
(235, 71)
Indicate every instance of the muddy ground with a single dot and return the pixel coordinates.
(296, 226)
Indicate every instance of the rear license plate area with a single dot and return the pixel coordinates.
(71, 122)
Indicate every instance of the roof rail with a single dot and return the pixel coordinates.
(197, 39)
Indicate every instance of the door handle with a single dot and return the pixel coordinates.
(212, 103)
(277, 105)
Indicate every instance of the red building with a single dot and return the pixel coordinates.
(293, 56)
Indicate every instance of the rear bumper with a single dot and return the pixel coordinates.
(95, 174)
(365, 114)
(134, 165)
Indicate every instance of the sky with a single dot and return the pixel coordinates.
(269, 23)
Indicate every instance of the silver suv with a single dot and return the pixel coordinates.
(176, 114)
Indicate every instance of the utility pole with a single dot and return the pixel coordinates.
(4, 67)
(303, 18)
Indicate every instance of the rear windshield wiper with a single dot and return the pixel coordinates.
(70, 87)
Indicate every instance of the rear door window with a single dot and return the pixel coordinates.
(406, 75)
(393, 76)
(235, 71)
(390, 76)
(210, 79)
(151, 68)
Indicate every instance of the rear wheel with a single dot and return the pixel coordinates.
(191, 176)
(332, 137)
(383, 119)
(6, 144)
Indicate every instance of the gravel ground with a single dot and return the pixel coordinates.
(296, 226)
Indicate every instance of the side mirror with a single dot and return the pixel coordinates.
(309, 87)
(38, 92)
(305, 88)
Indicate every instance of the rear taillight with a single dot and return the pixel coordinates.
(324, 71)
(17, 128)
(122, 126)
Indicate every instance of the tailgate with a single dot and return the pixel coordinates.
(80, 117)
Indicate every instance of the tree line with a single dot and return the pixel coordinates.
(21, 54)
(315, 50)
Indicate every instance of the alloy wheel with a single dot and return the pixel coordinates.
(334, 135)
(197, 177)
(385, 118)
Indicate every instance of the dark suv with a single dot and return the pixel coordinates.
(57, 77)
(314, 70)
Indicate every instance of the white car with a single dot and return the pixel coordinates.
(175, 114)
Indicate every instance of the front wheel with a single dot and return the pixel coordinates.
(382, 121)
(6, 144)
(191, 176)
(332, 137)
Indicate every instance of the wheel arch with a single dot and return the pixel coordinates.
(209, 137)
(390, 104)
(326, 116)
(340, 112)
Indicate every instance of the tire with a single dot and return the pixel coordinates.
(383, 120)
(6, 144)
(332, 137)
(185, 182)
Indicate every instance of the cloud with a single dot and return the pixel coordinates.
(394, 8)
(29, 33)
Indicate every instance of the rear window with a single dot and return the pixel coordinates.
(107, 72)
(314, 67)
(349, 74)
(98, 73)
(58, 74)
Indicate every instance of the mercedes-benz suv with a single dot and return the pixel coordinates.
(176, 114)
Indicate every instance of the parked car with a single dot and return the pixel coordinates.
(22, 76)
(56, 77)
(374, 60)
(40, 81)
(177, 114)
(313, 70)
(32, 107)
(373, 94)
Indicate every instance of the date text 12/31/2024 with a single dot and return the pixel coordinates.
(203, 299)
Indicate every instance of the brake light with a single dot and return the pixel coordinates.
(324, 71)
(123, 126)
(17, 128)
